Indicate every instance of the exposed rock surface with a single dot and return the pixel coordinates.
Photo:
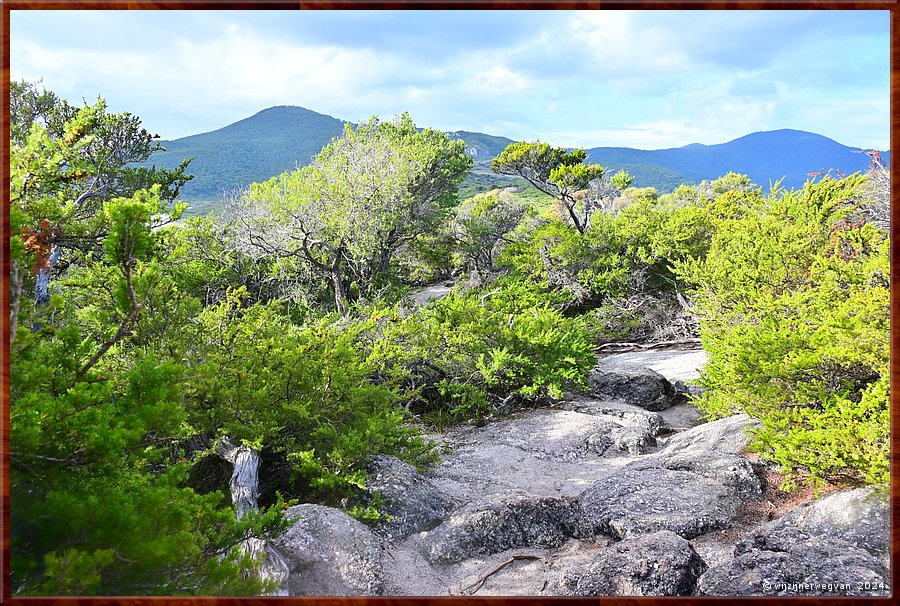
(544, 452)
(519, 520)
(641, 387)
(330, 553)
(837, 545)
(593, 496)
(634, 440)
(657, 564)
(722, 435)
(653, 422)
(686, 488)
(411, 502)
(649, 498)
(861, 517)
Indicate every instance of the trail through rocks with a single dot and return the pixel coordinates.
(595, 495)
(542, 456)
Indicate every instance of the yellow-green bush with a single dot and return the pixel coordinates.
(793, 304)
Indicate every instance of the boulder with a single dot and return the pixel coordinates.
(657, 564)
(722, 435)
(330, 553)
(861, 517)
(518, 520)
(651, 421)
(687, 390)
(411, 503)
(688, 490)
(633, 440)
(795, 564)
(646, 498)
(559, 435)
(837, 545)
(730, 470)
(637, 386)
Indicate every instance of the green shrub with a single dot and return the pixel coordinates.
(303, 393)
(466, 353)
(620, 270)
(793, 305)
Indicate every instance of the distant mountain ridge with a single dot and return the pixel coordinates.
(763, 156)
(250, 150)
(284, 137)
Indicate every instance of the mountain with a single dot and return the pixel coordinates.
(764, 157)
(284, 137)
(253, 149)
(481, 147)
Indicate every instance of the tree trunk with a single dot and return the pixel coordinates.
(340, 293)
(244, 483)
(244, 487)
(42, 289)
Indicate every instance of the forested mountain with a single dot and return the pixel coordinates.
(764, 156)
(253, 149)
(284, 137)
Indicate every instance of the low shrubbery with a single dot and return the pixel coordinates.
(303, 393)
(464, 355)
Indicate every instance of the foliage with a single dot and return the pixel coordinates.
(559, 173)
(467, 353)
(97, 473)
(482, 225)
(793, 304)
(302, 392)
(366, 194)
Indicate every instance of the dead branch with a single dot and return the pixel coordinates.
(480, 580)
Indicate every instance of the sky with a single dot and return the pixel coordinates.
(644, 79)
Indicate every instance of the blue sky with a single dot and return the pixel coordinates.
(646, 79)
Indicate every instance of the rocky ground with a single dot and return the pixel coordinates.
(621, 491)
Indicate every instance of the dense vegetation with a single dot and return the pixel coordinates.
(142, 341)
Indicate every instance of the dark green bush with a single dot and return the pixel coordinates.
(302, 392)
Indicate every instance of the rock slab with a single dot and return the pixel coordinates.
(657, 564)
(330, 553)
(518, 520)
(411, 502)
(837, 545)
(686, 488)
(637, 386)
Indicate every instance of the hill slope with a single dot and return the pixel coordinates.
(764, 157)
(284, 137)
(254, 149)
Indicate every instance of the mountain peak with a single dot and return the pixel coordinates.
(283, 137)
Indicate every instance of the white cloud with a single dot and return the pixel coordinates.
(66, 67)
(617, 45)
(495, 82)
(641, 79)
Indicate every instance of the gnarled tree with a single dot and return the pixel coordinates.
(560, 173)
(367, 193)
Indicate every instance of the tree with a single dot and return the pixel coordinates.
(367, 193)
(483, 223)
(793, 301)
(87, 156)
(560, 173)
(97, 441)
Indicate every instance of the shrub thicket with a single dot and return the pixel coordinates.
(464, 355)
(793, 305)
